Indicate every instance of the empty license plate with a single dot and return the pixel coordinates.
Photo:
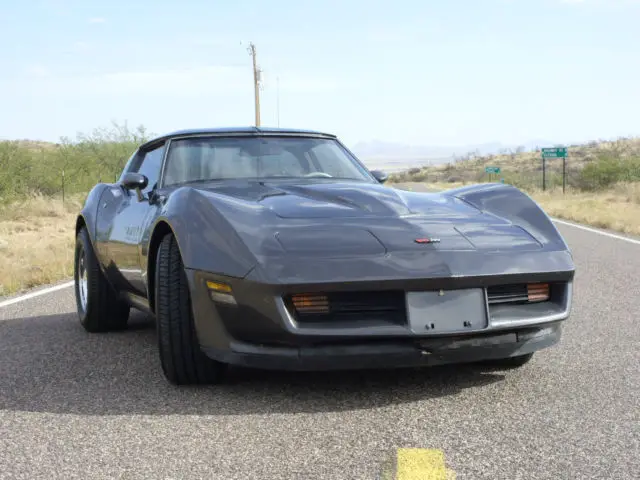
(447, 311)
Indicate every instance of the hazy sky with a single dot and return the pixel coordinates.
(417, 72)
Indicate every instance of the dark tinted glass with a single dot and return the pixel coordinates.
(151, 166)
(210, 158)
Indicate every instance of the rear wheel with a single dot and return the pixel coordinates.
(99, 309)
(183, 362)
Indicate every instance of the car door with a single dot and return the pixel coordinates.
(126, 218)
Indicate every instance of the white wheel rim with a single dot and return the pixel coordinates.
(82, 282)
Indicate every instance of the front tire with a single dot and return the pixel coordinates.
(183, 362)
(99, 309)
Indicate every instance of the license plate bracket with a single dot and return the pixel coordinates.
(447, 311)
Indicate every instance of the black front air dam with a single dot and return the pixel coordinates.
(390, 354)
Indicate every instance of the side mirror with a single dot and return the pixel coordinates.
(135, 181)
(380, 175)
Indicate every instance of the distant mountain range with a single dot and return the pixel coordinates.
(380, 150)
(396, 157)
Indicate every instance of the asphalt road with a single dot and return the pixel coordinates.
(75, 405)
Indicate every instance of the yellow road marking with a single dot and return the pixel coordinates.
(422, 464)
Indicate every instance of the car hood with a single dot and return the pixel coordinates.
(339, 200)
(321, 231)
(330, 219)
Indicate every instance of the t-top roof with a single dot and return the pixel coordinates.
(257, 131)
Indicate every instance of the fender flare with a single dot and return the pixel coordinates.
(513, 204)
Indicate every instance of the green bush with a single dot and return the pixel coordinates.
(28, 168)
(607, 170)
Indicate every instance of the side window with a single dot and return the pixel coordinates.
(129, 165)
(151, 166)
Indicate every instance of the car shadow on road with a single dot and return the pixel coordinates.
(50, 364)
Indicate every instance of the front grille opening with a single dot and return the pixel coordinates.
(538, 292)
(522, 293)
(311, 303)
(346, 307)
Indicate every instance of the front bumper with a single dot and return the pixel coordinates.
(260, 332)
(389, 354)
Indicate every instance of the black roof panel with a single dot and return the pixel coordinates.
(235, 131)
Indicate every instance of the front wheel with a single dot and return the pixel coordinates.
(99, 308)
(183, 362)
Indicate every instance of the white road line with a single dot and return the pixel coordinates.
(37, 293)
(599, 232)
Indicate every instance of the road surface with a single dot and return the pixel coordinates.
(75, 405)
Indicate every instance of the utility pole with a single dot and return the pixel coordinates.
(256, 81)
(278, 99)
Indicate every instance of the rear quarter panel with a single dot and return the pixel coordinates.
(89, 214)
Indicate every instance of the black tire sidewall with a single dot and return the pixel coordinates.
(81, 250)
(163, 342)
(182, 360)
(104, 311)
(156, 308)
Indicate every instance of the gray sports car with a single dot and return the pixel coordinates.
(275, 248)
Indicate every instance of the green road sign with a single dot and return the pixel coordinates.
(492, 169)
(555, 152)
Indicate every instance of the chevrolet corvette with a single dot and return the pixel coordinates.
(279, 249)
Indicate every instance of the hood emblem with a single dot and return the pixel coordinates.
(427, 240)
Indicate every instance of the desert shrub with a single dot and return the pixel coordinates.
(28, 168)
(608, 169)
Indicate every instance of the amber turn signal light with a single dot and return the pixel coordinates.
(220, 292)
(308, 303)
(538, 292)
(218, 287)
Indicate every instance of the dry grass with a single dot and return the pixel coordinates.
(617, 208)
(36, 243)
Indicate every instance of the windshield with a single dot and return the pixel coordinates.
(215, 158)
